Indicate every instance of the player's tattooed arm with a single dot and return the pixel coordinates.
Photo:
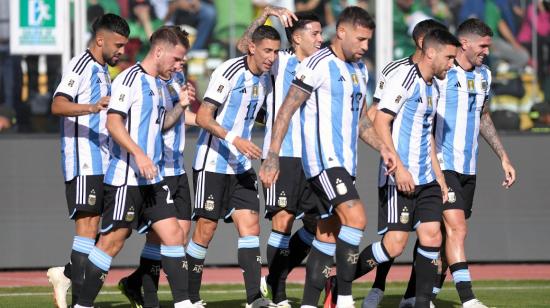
(284, 15)
(172, 117)
(370, 136)
(205, 119)
(489, 133)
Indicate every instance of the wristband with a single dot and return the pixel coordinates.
(230, 137)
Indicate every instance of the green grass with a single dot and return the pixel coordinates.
(492, 293)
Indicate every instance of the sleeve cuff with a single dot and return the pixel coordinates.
(212, 101)
(386, 110)
(375, 100)
(117, 112)
(302, 85)
(65, 95)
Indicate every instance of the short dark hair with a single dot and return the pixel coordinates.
(474, 26)
(422, 28)
(173, 35)
(357, 17)
(265, 32)
(304, 18)
(111, 22)
(439, 37)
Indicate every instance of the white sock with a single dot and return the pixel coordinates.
(78, 306)
(344, 300)
(307, 306)
(183, 304)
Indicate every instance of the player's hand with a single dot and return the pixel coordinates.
(444, 188)
(184, 96)
(146, 167)
(269, 170)
(286, 17)
(404, 180)
(191, 92)
(389, 158)
(102, 104)
(509, 174)
(248, 148)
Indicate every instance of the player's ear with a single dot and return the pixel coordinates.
(99, 39)
(341, 31)
(464, 42)
(251, 48)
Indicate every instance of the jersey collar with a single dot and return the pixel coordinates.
(458, 65)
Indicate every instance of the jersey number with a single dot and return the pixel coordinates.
(168, 197)
(161, 112)
(356, 101)
(250, 110)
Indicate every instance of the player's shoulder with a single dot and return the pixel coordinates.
(483, 69)
(79, 63)
(392, 66)
(230, 68)
(129, 76)
(405, 76)
(320, 57)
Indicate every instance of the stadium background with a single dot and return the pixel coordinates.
(507, 225)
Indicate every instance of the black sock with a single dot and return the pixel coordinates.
(371, 257)
(300, 246)
(195, 261)
(67, 270)
(278, 253)
(382, 271)
(318, 267)
(250, 261)
(78, 267)
(347, 256)
(150, 275)
(440, 278)
(175, 266)
(97, 268)
(426, 270)
(463, 281)
(411, 286)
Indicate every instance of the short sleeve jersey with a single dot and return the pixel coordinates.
(84, 148)
(139, 98)
(330, 116)
(282, 73)
(463, 96)
(389, 70)
(173, 139)
(413, 102)
(239, 95)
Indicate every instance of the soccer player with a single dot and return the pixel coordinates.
(413, 198)
(291, 196)
(81, 99)
(177, 93)
(332, 83)
(136, 195)
(463, 114)
(225, 183)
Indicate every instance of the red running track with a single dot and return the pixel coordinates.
(224, 275)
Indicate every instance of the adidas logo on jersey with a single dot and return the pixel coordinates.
(457, 85)
(341, 78)
(243, 90)
(151, 93)
(98, 80)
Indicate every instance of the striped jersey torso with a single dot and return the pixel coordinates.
(463, 95)
(413, 104)
(282, 73)
(239, 95)
(173, 139)
(84, 149)
(138, 97)
(330, 117)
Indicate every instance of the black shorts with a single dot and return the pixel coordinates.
(217, 195)
(84, 193)
(333, 186)
(398, 212)
(136, 207)
(179, 188)
(461, 191)
(291, 192)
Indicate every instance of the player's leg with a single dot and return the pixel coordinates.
(278, 253)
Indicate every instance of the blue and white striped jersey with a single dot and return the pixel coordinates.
(173, 140)
(283, 72)
(389, 70)
(330, 117)
(84, 149)
(413, 103)
(463, 95)
(139, 98)
(239, 95)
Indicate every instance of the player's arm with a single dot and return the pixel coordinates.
(62, 106)
(172, 116)
(440, 178)
(368, 134)
(285, 16)
(117, 130)
(190, 118)
(489, 133)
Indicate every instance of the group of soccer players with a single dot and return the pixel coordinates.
(122, 156)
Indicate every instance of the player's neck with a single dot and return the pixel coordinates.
(425, 71)
(300, 54)
(148, 64)
(253, 66)
(417, 55)
(338, 51)
(463, 61)
(97, 54)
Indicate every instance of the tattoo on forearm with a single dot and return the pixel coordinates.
(247, 37)
(489, 133)
(271, 163)
(368, 134)
(293, 100)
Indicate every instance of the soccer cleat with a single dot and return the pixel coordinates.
(61, 285)
(432, 305)
(265, 289)
(373, 299)
(259, 302)
(331, 293)
(200, 304)
(133, 295)
(473, 303)
(282, 304)
(407, 302)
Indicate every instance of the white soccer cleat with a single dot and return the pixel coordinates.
(264, 287)
(61, 285)
(347, 305)
(432, 305)
(407, 302)
(282, 304)
(259, 303)
(474, 303)
(373, 299)
(200, 304)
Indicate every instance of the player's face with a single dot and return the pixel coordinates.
(264, 53)
(443, 60)
(171, 60)
(355, 41)
(113, 47)
(311, 38)
(477, 48)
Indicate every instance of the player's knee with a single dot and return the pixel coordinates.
(430, 237)
(282, 222)
(110, 246)
(457, 233)
(395, 243)
(352, 214)
(204, 231)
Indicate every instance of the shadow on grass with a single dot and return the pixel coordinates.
(394, 300)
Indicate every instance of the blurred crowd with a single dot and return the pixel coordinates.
(519, 59)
